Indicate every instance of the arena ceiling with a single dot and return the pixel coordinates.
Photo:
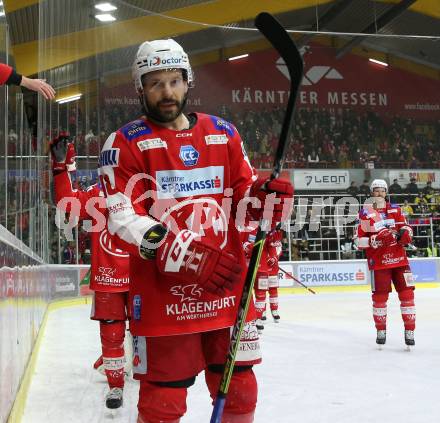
(71, 40)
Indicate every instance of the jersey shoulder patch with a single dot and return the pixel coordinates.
(222, 125)
(135, 129)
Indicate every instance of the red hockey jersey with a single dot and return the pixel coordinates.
(193, 178)
(271, 251)
(5, 73)
(110, 265)
(371, 221)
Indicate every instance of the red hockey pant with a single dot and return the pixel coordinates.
(381, 286)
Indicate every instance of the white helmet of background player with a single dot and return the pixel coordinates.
(379, 183)
(159, 55)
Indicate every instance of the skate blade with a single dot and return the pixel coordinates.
(379, 347)
(409, 347)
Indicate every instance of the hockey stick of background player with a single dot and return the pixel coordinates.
(287, 49)
(298, 281)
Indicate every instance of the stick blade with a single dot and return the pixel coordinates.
(283, 43)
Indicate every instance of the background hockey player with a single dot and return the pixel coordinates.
(383, 232)
(267, 275)
(109, 277)
(167, 176)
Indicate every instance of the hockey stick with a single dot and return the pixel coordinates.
(287, 49)
(298, 281)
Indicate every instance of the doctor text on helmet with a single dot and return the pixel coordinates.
(160, 61)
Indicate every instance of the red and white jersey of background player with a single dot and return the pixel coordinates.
(110, 268)
(186, 179)
(371, 221)
(272, 249)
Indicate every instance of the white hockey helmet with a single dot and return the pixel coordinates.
(379, 183)
(158, 55)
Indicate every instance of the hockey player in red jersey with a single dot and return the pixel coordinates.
(267, 275)
(174, 184)
(383, 232)
(109, 277)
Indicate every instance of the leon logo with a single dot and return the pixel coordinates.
(189, 155)
(187, 292)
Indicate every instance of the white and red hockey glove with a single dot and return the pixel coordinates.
(405, 236)
(190, 260)
(247, 247)
(63, 154)
(281, 202)
(384, 238)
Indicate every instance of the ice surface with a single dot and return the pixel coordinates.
(321, 365)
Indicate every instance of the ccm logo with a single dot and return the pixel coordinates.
(184, 134)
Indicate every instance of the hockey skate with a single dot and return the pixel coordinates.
(381, 337)
(276, 316)
(114, 398)
(409, 338)
(263, 317)
(260, 326)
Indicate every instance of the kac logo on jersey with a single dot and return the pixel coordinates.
(189, 155)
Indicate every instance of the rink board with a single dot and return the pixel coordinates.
(349, 273)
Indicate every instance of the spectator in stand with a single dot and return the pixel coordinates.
(421, 204)
(395, 188)
(364, 189)
(412, 189)
(353, 190)
(428, 189)
(69, 254)
(435, 203)
(85, 257)
(407, 210)
(312, 159)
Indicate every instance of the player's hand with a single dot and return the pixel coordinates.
(282, 201)
(385, 238)
(63, 153)
(405, 236)
(40, 86)
(188, 259)
(271, 261)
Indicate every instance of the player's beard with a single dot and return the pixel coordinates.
(154, 112)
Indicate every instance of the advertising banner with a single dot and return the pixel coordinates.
(424, 270)
(421, 176)
(330, 179)
(284, 279)
(261, 82)
(332, 273)
(64, 281)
